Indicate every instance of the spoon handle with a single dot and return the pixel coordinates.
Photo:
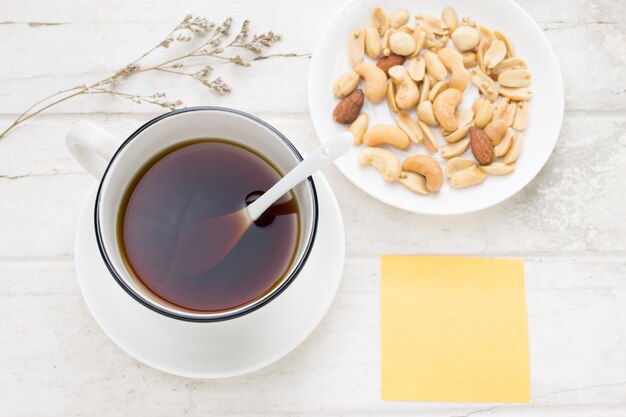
(324, 154)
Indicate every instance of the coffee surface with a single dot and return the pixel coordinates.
(182, 187)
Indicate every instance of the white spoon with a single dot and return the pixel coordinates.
(204, 244)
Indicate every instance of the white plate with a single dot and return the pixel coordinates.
(546, 108)
(222, 349)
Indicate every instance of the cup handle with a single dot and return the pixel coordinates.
(92, 146)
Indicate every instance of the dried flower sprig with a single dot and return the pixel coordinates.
(214, 45)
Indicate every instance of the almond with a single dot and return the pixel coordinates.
(482, 148)
(387, 62)
(348, 109)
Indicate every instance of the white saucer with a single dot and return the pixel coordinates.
(222, 349)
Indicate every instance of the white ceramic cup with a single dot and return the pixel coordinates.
(115, 163)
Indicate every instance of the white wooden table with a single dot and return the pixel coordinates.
(569, 224)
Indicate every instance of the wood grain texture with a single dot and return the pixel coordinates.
(569, 224)
(76, 370)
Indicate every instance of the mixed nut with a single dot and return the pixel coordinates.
(417, 69)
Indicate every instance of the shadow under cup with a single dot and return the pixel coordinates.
(165, 132)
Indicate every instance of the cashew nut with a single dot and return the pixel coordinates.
(356, 47)
(375, 81)
(444, 108)
(455, 149)
(425, 113)
(345, 84)
(380, 21)
(372, 42)
(414, 182)
(410, 127)
(497, 168)
(426, 166)
(467, 177)
(407, 93)
(398, 18)
(457, 164)
(389, 134)
(358, 128)
(429, 141)
(434, 66)
(385, 162)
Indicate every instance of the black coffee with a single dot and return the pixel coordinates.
(196, 181)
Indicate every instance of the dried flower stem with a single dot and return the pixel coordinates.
(213, 45)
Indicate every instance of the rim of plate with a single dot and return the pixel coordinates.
(558, 85)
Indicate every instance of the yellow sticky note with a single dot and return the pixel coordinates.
(454, 329)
